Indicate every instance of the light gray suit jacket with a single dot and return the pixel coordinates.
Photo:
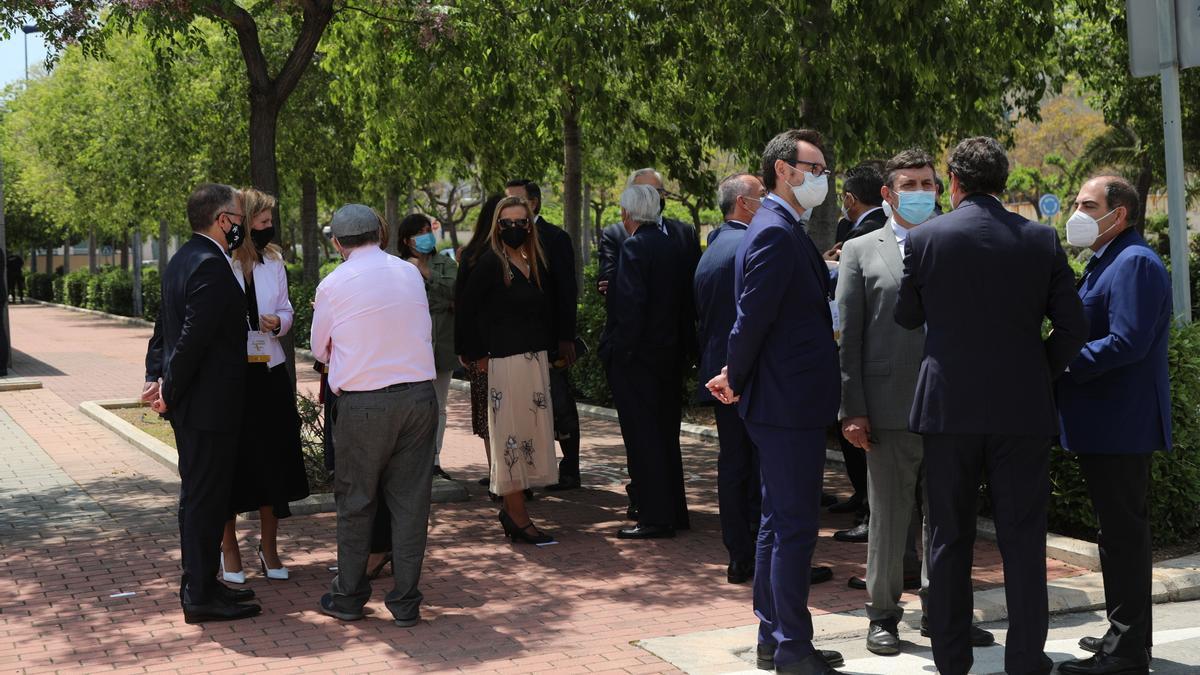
(880, 360)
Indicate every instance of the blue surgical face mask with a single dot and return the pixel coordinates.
(916, 207)
(425, 243)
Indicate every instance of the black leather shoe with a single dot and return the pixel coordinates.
(219, 609)
(646, 532)
(849, 506)
(860, 583)
(1104, 664)
(326, 606)
(813, 664)
(855, 535)
(979, 636)
(883, 638)
(234, 594)
(1095, 644)
(819, 575)
(632, 513)
(439, 471)
(565, 483)
(765, 657)
(740, 572)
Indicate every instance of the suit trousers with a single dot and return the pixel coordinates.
(792, 463)
(566, 421)
(1017, 471)
(739, 490)
(385, 443)
(856, 468)
(1119, 485)
(893, 475)
(646, 395)
(206, 465)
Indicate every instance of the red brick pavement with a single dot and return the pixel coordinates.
(107, 524)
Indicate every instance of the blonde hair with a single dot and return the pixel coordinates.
(254, 202)
(532, 248)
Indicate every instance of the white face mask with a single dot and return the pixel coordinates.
(811, 193)
(887, 209)
(1083, 230)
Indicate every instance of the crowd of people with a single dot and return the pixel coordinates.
(919, 338)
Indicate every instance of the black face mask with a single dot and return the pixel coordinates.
(514, 236)
(235, 236)
(262, 237)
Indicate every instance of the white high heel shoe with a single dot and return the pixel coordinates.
(231, 577)
(281, 573)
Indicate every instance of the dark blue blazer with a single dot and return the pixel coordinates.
(981, 279)
(646, 298)
(715, 305)
(782, 357)
(1116, 397)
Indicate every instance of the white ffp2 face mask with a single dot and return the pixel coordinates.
(1083, 230)
(811, 193)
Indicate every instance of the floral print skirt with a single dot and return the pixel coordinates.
(520, 422)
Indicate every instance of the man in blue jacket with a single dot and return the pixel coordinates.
(1114, 403)
(782, 370)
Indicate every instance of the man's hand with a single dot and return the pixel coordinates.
(833, 254)
(150, 392)
(268, 323)
(719, 387)
(857, 430)
(602, 286)
(481, 365)
(159, 405)
(566, 352)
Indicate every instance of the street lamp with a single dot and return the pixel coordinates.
(27, 29)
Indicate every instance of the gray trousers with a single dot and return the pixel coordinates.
(385, 445)
(893, 473)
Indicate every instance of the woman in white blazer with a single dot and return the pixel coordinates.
(270, 471)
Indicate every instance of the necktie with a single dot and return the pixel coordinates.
(1087, 269)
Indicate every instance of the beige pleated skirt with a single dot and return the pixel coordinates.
(520, 422)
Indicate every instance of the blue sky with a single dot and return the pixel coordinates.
(12, 56)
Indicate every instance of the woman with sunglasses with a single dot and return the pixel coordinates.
(270, 471)
(504, 294)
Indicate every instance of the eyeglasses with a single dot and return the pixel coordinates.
(231, 213)
(506, 223)
(818, 169)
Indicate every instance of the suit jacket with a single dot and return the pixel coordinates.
(199, 343)
(715, 305)
(563, 292)
(611, 238)
(874, 220)
(645, 299)
(879, 359)
(981, 279)
(1116, 397)
(781, 355)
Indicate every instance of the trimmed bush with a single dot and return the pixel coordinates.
(151, 293)
(40, 285)
(75, 288)
(301, 296)
(325, 268)
(587, 374)
(59, 284)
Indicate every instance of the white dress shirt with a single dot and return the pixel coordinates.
(371, 323)
(271, 292)
(901, 233)
(776, 198)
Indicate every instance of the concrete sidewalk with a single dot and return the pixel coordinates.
(87, 517)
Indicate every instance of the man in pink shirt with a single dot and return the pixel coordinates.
(371, 325)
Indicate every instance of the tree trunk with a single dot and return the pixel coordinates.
(391, 213)
(93, 267)
(33, 259)
(50, 260)
(164, 242)
(572, 178)
(585, 228)
(308, 227)
(67, 257)
(137, 272)
(264, 122)
(124, 250)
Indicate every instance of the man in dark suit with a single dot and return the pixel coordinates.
(739, 496)
(1114, 402)
(640, 349)
(984, 400)
(560, 257)
(782, 371)
(195, 375)
(15, 268)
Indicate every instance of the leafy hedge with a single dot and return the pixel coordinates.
(109, 290)
(40, 285)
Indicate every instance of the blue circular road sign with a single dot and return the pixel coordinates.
(1049, 205)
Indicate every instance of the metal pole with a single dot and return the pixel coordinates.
(1181, 292)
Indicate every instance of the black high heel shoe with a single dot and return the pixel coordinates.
(528, 534)
(374, 574)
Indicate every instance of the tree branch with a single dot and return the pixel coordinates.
(247, 34)
(380, 17)
(317, 15)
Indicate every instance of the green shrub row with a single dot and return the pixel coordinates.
(109, 290)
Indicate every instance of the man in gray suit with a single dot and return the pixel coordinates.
(879, 362)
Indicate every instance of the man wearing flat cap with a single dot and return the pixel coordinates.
(381, 368)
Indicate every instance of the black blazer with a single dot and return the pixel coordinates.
(560, 258)
(645, 300)
(199, 342)
(981, 279)
(614, 235)
(716, 308)
(611, 238)
(874, 220)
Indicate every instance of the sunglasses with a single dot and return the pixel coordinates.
(506, 223)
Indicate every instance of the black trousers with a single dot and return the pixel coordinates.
(206, 465)
(856, 466)
(739, 490)
(1119, 485)
(1017, 471)
(566, 422)
(647, 396)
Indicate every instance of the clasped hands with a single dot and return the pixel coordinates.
(153, 396)
(720, 389)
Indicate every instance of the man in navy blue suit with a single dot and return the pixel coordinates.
(1115, 405)
(979, 280)
(782, 371)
